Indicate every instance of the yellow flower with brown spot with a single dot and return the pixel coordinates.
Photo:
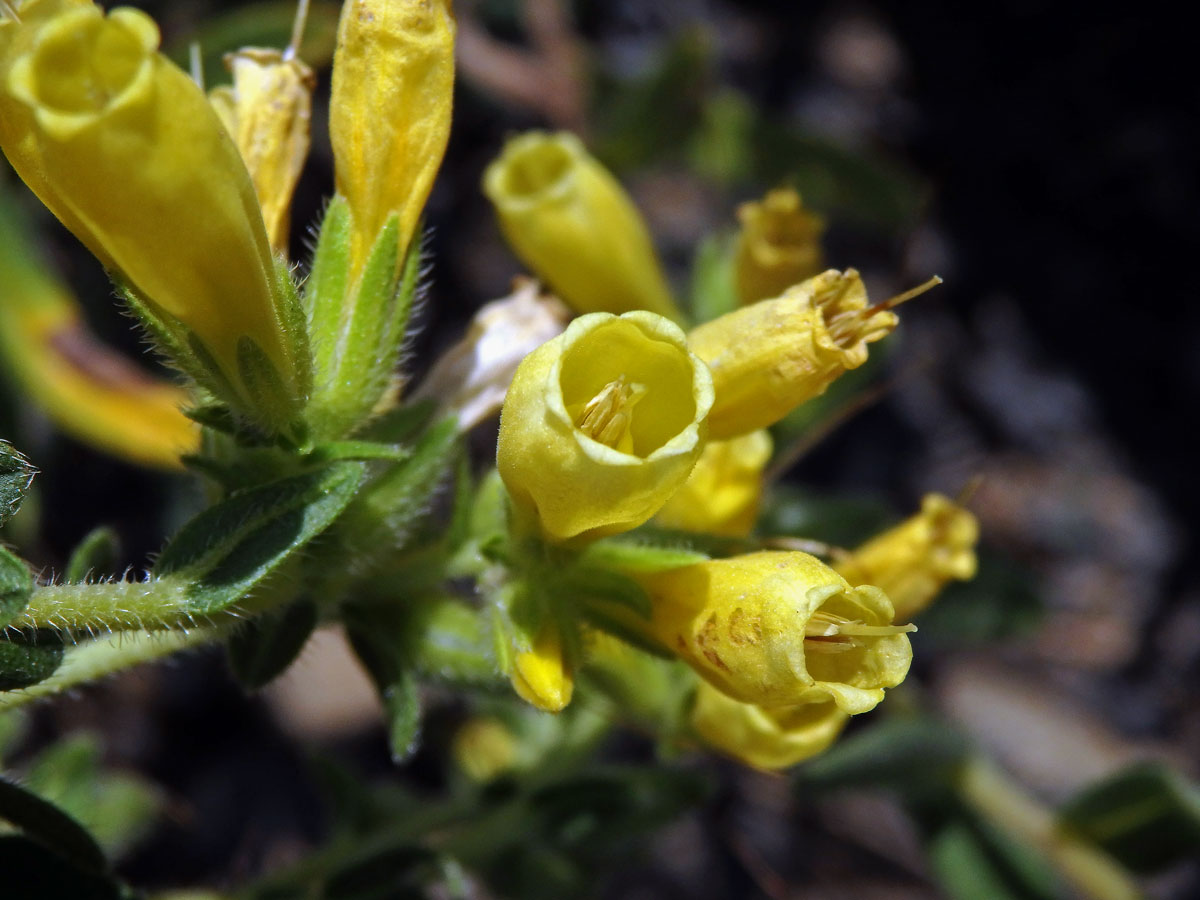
(602, 424)
(778, 629)
(779, 245)
(723, 494)
(769, 739)
(571, 222)
(772, 356)
(915, 560)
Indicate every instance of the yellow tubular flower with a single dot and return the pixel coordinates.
(569, 220)
(778, 629)
(602, 424)
(484, 748)
(779, 245)
(88, 391)
(125, 150)
(723, 494)
(389, 113)
(540, 674)
(771, 356)
(914, 561)
(769, 739)
(268, 111)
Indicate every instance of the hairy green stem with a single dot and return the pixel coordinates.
(106, 655)
(109, 606)
(1090, 870)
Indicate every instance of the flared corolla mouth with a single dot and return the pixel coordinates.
(83, 64)
(533, 168)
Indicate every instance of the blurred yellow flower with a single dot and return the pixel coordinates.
(769, 357)
(389, 113)
(572, 223)
(915, 560)
(779, 245)
(723, 494)
(88, 391)
(768, 739)
(602, 424)
(778, 629)
(484, 747)
(125, 149)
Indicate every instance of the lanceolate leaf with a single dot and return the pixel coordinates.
(230, 548)
(15, 476)
(49, 826)
(15, 586)
(268, 644)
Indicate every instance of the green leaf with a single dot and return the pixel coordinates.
(230, 548)
(273, 402)
(97, 553)
(1146, 816)
(722, 147)
(26, 659)
(49, 826)
(334, 451)
(381, 520)
(358, 340)
(116, 808)
(402, 702)
(16, 584)
(325, 289)
(974, 862)
(269, 643)
(636, 556)
(16, 474)
(913, 755)
(13, 726)
(714, 289)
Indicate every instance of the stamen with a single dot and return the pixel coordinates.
(829, 633)
(195, 63)
(845, 326)
(608, 417)
(7, 10)
(298, 24)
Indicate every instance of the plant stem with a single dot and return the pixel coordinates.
(109, 606)
(1092, 871)
(105, 655)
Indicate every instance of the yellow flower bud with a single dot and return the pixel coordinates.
(540, 673)
(572, 223)
(268, 111)
(914, 561)
(602, 424)
(771, 356)
(769, 739)
(484, 748)
(124, 148)
(779, 245)
(724, 491)
(389, 112)
(777, 629)
(87, 390)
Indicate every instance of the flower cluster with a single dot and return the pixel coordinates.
(625, 418)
